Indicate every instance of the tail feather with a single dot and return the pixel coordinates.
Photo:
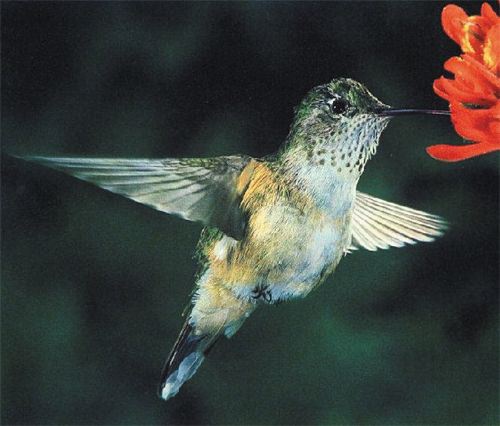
(216, 312)
(187, 355)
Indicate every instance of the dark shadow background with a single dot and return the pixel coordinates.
(93, 285)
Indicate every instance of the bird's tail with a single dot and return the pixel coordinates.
(216, 312)
(186, 356)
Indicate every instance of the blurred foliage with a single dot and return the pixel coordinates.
(93, 285)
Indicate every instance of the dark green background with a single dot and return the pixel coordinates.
(93, 285)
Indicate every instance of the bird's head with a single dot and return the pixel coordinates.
(339, 125)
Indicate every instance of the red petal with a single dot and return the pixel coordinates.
(480, 125)
(439, 89)
(457, 91)
(472, 76)
(491, 49)
(453, 153)
(452, 20)
(474, 32)
(488, 13)
(483, 72)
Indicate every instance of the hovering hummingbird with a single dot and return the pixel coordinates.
(275, 227)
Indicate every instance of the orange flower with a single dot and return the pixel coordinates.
(474, 93)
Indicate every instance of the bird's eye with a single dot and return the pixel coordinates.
(338, 106)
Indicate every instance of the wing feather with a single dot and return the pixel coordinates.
(379, 224)
(202, 190)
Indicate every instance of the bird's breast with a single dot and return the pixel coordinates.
(293, 239)
(286, 252)
(297, 244)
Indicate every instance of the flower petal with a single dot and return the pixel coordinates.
(453, 19)
(488, 13)
(454, 153)
(439, 89)
(491, 49)
(482, 72)
(482, 125)
(455, 92)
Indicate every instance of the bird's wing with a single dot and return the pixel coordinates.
(379, 224)
(196, 189)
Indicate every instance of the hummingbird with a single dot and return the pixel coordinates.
(275, 227)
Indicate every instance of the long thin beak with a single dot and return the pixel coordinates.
(394, 111)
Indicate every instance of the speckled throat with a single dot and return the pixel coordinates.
(329, 164)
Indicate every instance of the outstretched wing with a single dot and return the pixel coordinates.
(378, 224)
(196, 189)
